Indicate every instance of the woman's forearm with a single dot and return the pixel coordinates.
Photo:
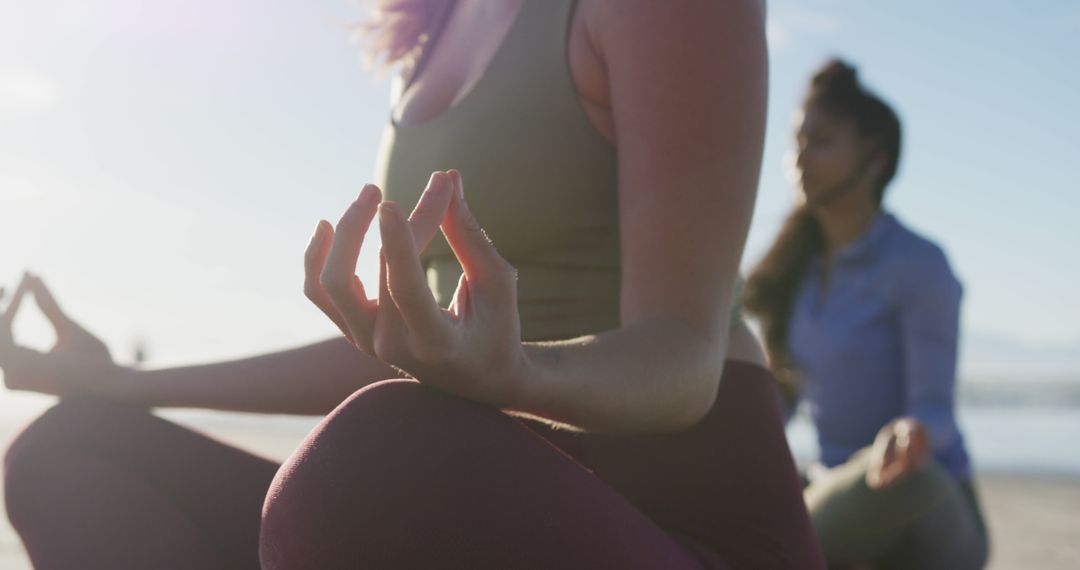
(658, 375)
(310, 380)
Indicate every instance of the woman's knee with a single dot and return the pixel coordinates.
(30, 455)
(388, 415)
(55, 428)
(74, 425)
(364, 474)
(856, 522)
(380, 431)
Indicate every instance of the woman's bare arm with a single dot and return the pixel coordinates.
(688, 92)
(688, 83)
(310, 380)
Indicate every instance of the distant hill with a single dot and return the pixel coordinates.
(998, 358)
(999, 371)
(1027, 393)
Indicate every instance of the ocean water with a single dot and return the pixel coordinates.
(1021, 439)
(1009, 438)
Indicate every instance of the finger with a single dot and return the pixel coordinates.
(459, 306)
(431, 209)
(314, 260)
(46, 302)
(338, 276)
(390, 330)
(890, 451)
(68, 332)
(887, 478)
(480, 261)
(879, 476)
(920, 450)
(350, 232)
(8, 318)
(895, 469)
(904, 462)
(407, 281)
(873, 477)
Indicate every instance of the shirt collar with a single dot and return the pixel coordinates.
(868, 242)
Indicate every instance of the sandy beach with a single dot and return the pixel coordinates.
(1034, 520)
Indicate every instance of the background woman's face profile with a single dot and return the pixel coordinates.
(825, 153)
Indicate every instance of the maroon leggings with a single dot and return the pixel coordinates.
(401, 476)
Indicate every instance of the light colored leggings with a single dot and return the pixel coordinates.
(926, 521)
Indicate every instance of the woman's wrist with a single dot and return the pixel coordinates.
(120, 383)
(530, 393)
(656, 376)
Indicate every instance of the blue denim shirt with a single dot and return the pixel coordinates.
(880, 342)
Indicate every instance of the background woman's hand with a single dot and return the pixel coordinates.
(472, 349)
(901, 448)
(78, 361)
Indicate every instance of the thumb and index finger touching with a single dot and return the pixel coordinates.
(8, 315)
(45, 301)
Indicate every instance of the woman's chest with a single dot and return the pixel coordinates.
(850, 316)
(471, 38)
(539, 177)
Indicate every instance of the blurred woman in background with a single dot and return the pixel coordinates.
(590, 398)
(860, 317)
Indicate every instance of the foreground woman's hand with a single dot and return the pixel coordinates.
(901, 448)
(78, 361)
(472, 349)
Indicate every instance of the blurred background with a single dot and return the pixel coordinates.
(163, 164)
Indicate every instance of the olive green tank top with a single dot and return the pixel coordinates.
(538, 176)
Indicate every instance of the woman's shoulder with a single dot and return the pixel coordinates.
(676, 19)
(912, 249)
(916, 262)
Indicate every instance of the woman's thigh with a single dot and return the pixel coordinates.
(728, 483)
(89, 477)
(406, 477)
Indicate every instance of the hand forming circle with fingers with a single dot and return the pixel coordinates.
(78, 361)
(473, 348)
(901, 448)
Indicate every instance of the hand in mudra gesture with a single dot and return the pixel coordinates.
(901, 448)
(77, 360)
(473, 348)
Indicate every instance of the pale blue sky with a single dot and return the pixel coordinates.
(163, 164)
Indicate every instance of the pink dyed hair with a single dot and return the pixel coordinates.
(397, 30)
